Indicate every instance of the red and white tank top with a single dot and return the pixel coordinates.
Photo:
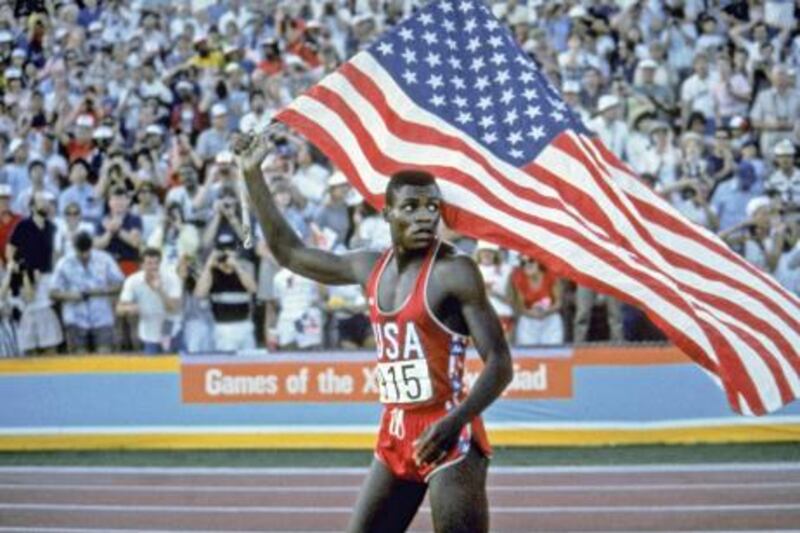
(420, 360)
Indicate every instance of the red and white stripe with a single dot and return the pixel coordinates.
(580, 211)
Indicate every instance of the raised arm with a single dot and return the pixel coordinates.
(465, 283)
(287, 248)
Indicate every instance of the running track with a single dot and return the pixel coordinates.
(688, 497)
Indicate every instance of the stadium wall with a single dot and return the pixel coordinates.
(566, 396)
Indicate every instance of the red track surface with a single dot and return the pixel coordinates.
(732, 497)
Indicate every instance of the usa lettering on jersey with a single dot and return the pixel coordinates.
(402, 371)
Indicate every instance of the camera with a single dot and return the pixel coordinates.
(222, 257)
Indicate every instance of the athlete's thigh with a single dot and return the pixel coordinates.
(385, 503)
(458, 496)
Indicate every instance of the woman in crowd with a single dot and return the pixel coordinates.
(535, 294)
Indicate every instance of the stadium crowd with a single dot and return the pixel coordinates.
(121, 220)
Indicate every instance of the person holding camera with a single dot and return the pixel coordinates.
(84, 281)
(226, 220)
(154, 294)
(228, 284)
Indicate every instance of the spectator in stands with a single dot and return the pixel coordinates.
(299, 322)
(309, 178)
(154, 295)
(226, 282)
(85, 281)
(175, 237)
(32, 241)
(8, 219)
(696, 91)
(730, 198)
(9, 346)
(496, 273)
(81, 192)
(121, 232)
(785, 180)
(754, 237)
(775, 111)
(214, 140)
(226, 220)
(37, 183)
(185, 192)
(608, 126)
(67, 227)
(39, 331)
(535, 295)
(148, 208)
(331, 221)
(350, 328)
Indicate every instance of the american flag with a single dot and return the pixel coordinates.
(450, 92)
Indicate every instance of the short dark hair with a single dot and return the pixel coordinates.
(82, 241)
(151, 252)
(418, 178)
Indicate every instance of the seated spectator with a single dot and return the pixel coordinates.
(38, 183)
(496, 273)
(299, 321)
(775, 111)
(148, 208)
(120, 233)
(81, 192)
(39, 330)
(67, 227)
(535, 294)
(608, 125)
(214, 140)
(331, 221)
(85, 281)
(754, 238)
(154, 295)
(309, 178)
(729, 200)
(785, 180)
(230, 287)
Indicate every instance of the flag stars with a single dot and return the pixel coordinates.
(495, 41)
(533, 111)
(446, 7)
(482, 83)
(465, 7)
(558, 116)
(536, 133)
(409, 56)
(477, 64)
(410, 77)
(516, 154)
(502, 77)
(458, 83)
(455, 63)
(406, 34)
(435, 81)
(433, 60)
(491, 24)
(464, 117)
(426, 19)
(473, 44)
(490, 137)
(487, 122)
(460, 101)
(498, 59)
(526, 77)
(470, 26)
(451, 44)
(529, 94)
(449, 26)
(514, 138)
(430, 38)
(386, 48)
(484, 103)
(437, 100)
(511, 117)
(507, 96)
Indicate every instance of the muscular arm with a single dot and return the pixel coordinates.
(289, 250)
(464, 282)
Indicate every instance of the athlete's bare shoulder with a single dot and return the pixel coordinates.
(456, 273)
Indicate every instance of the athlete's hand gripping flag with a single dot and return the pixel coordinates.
(450, 92)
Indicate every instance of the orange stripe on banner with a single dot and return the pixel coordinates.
(629, 356)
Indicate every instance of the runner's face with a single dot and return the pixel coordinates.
(414, 216)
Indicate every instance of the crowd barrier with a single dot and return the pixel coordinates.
(593, 395)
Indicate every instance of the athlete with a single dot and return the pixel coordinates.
(425, 302)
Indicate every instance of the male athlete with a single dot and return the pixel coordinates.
(425, 301)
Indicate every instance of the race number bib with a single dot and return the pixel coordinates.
(404, 381)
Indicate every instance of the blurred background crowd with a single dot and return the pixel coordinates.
(121, 222)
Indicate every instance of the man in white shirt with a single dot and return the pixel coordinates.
(156, 297)
(608, 126)
(786, 177)
(696, 91)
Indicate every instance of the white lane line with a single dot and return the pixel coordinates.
(183, 509)
(325, 471)
(219, 489)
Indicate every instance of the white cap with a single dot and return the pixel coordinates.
(103, 132)
(486, 245)
(14, 145)
(570, 86)
(232, 67)
(337, 178)
(648, 63)
(12, 73)
(154, 129)
(85, 121)
(577, 12)
(5, 189)
(96, 26)
(784, 147)
(606, 102)
(218, 110)
(184, 85)
(755, 204)
(5, 36)
(225, 157)
(18, 52)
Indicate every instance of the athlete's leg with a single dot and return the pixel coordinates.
(385, 503)
(458, 496)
